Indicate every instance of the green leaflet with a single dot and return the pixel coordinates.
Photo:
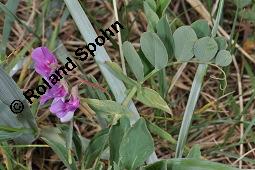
(201, 27)
(136, 146)
(115, 137)
(223, 58)
(165, 33)
(151, 16)
(96, 147)
(133, 60)
(205, 49)
(107, 106)
(222, 43)
(184, 40)
(151, 98)
(154, 50)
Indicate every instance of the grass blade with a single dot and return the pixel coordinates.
(8, 21)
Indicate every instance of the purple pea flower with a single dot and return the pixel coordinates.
(64, 109)
(44, 60)
(45, 63)
(57, 91)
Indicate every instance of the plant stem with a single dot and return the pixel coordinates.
(149, 75)
(129, 96)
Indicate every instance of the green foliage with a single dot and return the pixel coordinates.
(8, 22)
(136, 146)
(195, 152)
(115, 137)
(205, 49)
(152, 99)
(222, 43)
(184, 40)
(107, 106)
(117, 71)
(242, 3)
(25, 120)
(249, 14)
(201, 27)
(52, 136)
(162, 6)
(154, 50)
(151, 16)
(133, 60)
(165, 33)
(187, 164)
(223, 58)
(96, 146)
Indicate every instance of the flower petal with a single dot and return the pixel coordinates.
(44, 61)
(67, 117)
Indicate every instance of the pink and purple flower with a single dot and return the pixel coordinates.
(63, 105)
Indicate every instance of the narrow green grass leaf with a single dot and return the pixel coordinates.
(8, 22)
(162, 6)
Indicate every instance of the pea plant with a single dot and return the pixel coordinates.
(124, 141)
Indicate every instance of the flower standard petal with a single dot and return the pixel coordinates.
(44, 61)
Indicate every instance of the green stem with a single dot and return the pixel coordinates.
(149, 75)
(129, 96)
(69, 142)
